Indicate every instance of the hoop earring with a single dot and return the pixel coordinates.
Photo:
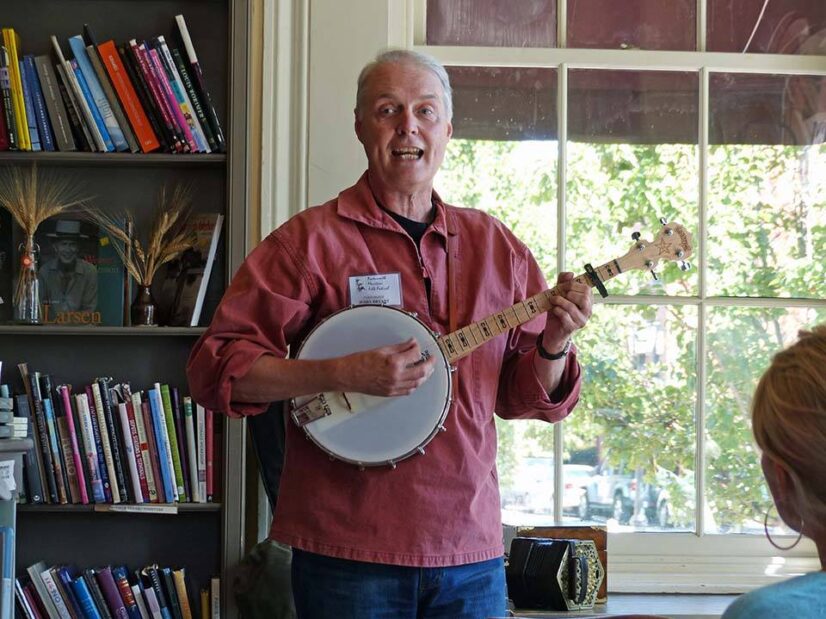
(769, 537)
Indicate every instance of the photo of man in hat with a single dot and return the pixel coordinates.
(67, 282)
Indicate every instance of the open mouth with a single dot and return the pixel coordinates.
(408, 153)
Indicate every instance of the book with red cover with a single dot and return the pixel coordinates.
(129, 98)
(77, 455)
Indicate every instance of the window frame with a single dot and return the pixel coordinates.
(652, 562)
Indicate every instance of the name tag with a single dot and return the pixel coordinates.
(377, 289)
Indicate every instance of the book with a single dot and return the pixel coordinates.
(110, 591)
(11, 41)
(191, 452)
(129, 448)
(34, 488)
(54, 444)
(38, 104)
(130, 63)
(154, 453)
(121, 578)
(64, 575)
(108, 442)
(156, 68)
(172, 433)
(116, 436)
(80, 101)
(152, 582)
(9, 114)
(55, 108)
(90, 447)
(55, 592)
(43, 437)
(103, 469)
(125, 90)
(179, 577)
(23, 603)
(215, 597)
(144, 432)
(144, 611)
(180, 435)
(165, 575)
(80, 132)
(96, 593)
(84, 596)
(194, 98)
(93, 292)
(180, 287)
(154, 605)
(98, 97)
(209, 438)
(25, 82)
(163, 443)
(200, 83)
(45, 596)
(64, 394)
(85, 96)
(125, 398)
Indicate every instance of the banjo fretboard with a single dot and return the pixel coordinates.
(464, 341)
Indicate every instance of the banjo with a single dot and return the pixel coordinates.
(368, 430)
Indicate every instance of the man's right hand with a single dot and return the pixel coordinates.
(387, 371)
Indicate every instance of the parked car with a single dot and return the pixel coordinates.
(532, 488)
(575, 479)
(612, 492)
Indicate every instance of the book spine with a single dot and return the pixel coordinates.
(144, 433)
(158, 97)
(116, 439)
(109, 93)
(103, 469)
(210, 262)
(162, 442)
(34, 601)
(80, 482)
(30, 460)
(120, 575)
(181, 95)
(154, 605)
(97, 594)
(191, 453)
(106, 444)
(39, 104)
(179, 576)
(200, 82)
(97, 118)
(194, 98)
(205, 614)
(64, 594)
(173, 438)
(210, 455)
(54, 594)
(54, 444)
(8, 99)
(130, 63)
(34, 134)
(63, 578)
(155, 584)
(200, 423)
(98, 98)
(84, 112)
(140, 468)
(43, 436)
(180, 434)
(43, 594)
(157, 69)
(80, 132)
(154, 452)
(23, 601)
(90, 442)
(111, 593)
(165, 575)
(84, 596)
(11, 39)
(144, 611)
(69, 462)
(215, 597)
(128, 97)
(129, 448)
(53, 101)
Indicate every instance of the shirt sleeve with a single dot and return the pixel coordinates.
(265, 306)
(521, 394)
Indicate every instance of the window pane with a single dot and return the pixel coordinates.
(492, 23)
(767, 187)
(635, 421)
(787, 27)
(741, 343)
(503, 156)
(632, 24)
(632, 158)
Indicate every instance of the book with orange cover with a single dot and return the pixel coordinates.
(129, 98)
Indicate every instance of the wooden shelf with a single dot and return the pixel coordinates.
(104, 508)
(93, 330)
(113, 159)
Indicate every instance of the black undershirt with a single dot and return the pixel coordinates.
(415, 230)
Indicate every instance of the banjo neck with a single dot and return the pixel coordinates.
(464, 341)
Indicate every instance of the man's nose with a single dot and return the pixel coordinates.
(407, 123)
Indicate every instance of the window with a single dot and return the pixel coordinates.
(656, 113)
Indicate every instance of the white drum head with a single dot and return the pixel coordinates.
(382, 430)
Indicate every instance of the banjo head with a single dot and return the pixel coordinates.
(370, 430)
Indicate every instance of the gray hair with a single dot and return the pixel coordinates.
(393, 56)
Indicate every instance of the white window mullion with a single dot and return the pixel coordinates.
(561, 225)
(562, 23)
(702, 11)
(702, 368)
(417, 18)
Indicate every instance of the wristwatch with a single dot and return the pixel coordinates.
(551, 356)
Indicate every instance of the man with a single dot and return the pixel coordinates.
(425, 539)
(67, 282)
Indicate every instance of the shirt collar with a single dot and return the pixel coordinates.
(357, 203)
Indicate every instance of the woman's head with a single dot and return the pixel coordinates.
(789, 424)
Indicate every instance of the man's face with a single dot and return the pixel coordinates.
(66, 250)
(403, 127)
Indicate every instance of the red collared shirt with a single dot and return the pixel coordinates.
(439, 509)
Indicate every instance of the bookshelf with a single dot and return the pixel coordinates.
(206, 539)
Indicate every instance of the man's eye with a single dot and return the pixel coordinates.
(427, 111)
(386, 110)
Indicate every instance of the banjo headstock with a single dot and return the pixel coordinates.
(672, 243)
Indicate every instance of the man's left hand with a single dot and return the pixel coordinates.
(569, 312)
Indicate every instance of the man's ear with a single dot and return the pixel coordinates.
(357, 125)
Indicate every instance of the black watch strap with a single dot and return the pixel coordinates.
(551, 356)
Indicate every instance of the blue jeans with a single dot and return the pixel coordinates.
(329, 588)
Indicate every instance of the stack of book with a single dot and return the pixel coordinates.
(10, 426)
(111, 591)
(138, 96)
(104, 443)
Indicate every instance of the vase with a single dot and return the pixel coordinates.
(142, 310)
(27, 291)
